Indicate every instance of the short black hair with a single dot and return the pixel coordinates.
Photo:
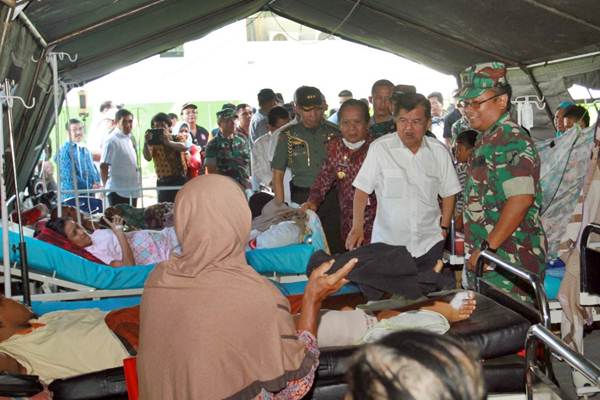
(355, 103)
(105, 105)
(266, 95)
(579, 113)
(410, 101)
(437, 95)
(276, 114)
(70, 122)
(173, 115)
(403, 364)
(507, 90)
(467, 138)
(57, 225)
(381, 82)
(241, 106)
(345, 93)
(161, 117)
(122, 113)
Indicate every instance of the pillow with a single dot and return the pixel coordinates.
(50, 236)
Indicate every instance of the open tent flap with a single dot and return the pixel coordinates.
(447, 36)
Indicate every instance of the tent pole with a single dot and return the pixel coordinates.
(54, 66)
(422, 28)
(7, 23)
(563, 14)
(539, 93)
(107, 21)
(4, 211)
(22, 246)
(33, 30)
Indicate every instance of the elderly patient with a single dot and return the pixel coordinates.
(57, 345)
(115, 247)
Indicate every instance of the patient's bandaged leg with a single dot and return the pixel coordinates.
(343, 328)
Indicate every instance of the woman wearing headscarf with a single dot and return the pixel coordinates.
(211, 327)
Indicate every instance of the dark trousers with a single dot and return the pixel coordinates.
(169, 195)
(328, 212)
(114, 199)
(429, 280)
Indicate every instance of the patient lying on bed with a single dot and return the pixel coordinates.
(62, 344)
(117, 248)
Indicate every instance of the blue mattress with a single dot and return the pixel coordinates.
(287, 260)
(294, 288)
(51, 260)
(113, 303)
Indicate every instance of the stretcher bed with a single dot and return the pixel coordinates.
(498, 330)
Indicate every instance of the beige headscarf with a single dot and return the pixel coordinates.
(211, 327)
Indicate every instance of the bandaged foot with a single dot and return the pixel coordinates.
(461, 306)
(464, 304)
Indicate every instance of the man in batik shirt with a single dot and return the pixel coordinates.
(345, 156)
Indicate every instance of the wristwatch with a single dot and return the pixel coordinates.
(486, 246)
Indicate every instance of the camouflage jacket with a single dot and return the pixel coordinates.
(505, 163)
(231, 157)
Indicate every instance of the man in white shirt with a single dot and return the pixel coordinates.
(118, 165)
(437, 115)
(258, 125)
(407, 171)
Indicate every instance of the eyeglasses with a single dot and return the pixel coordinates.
(413, 122)
(476, 104)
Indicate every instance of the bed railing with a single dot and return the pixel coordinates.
(539, 334)
(532, 279)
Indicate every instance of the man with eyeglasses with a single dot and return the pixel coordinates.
(408, 170)
(502, 193)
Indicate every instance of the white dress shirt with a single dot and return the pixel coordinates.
(407, 186)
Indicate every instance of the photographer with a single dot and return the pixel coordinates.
(168, 151)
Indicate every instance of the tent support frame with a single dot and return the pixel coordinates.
(104, 22)
(439, 35)
(539, 93)
(563, 14)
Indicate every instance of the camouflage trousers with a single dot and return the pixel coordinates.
(509, 283)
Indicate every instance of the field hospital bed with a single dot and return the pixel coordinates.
(63, 275)
(498, 329)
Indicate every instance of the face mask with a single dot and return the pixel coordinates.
(353, 146)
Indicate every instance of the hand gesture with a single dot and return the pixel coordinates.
(308, 206)
(147, 136)
(320, 284)
(355, 238)
(116, 225)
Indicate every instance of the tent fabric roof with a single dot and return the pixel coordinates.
(444, 35)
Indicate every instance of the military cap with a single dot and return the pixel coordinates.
(188, 105)
(226, 113)
(478, 78)
(308, 97)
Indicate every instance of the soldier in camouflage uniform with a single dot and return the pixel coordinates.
(302, 147)
(229, 153)
(502, 193)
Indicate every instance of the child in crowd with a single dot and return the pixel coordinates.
(463, 149)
